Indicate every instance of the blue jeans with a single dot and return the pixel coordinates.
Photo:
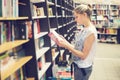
(82, 73)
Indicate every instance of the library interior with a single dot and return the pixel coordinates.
(31, 30)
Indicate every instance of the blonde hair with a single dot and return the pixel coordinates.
(84, 8)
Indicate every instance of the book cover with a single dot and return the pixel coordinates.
(35, 28)
(3, 33)
(1, 8)
(8, 31)
(54, 36)
(38, 26)
(0, 34)
(42, 11)
(21, 31)
(29, 26)
(39, 64)
(15, 8)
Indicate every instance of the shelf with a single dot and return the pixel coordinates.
(52, 43)
(40, 34)
(56, 54)
(58, 5)
(106, 41)
(60, 26)
(13, 18)
(62, 52)
(9, 45)
(44, 69)
(108, 34)
(30, 78)
(51, 16)
(42, 51)
(12, 67)
(37, 1)
(39, 17)
(52, 29)
(50, 3)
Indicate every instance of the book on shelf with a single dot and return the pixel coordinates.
(36, 27)
(39, 43)
(50, 12)
(15, 8)
(3, 33)
(29, 25)
(0, 34)
(40, 11)
(9, 8)
(21, 31)
(3, 8)
(43, 60)
(10, 32)
(37, 11)
(39, 64)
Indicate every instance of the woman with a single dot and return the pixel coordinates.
(85, 43)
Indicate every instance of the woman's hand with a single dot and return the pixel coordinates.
(63, 42)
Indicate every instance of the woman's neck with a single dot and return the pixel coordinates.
(87, 23)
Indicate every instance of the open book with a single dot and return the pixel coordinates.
(54, 36)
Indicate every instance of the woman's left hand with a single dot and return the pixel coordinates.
(63, 42)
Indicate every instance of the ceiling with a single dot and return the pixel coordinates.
(116, 2)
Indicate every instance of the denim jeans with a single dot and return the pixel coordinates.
(82, 73)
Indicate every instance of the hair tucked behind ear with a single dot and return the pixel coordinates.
(84, 8)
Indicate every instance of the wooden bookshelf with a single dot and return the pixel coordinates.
(14, 33)
(13, 66)
(30, 78)
(9, 45)
(13, 18)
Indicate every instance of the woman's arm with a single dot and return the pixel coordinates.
(86, 49)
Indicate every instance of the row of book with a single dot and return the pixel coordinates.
(9, 8)
(108, 31)
(11, 31)
(37, 11)
(108, 39)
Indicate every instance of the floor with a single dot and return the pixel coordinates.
(107, 62)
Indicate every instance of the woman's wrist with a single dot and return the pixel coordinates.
(68, 46)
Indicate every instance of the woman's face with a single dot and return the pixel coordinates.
(79, 18)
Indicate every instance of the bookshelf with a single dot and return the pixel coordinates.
(47, 15)
(14, 34)
(107, 31)
(13, 66)
(27, 41)
(9, 45)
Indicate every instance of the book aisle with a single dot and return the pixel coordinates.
(28, 32)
